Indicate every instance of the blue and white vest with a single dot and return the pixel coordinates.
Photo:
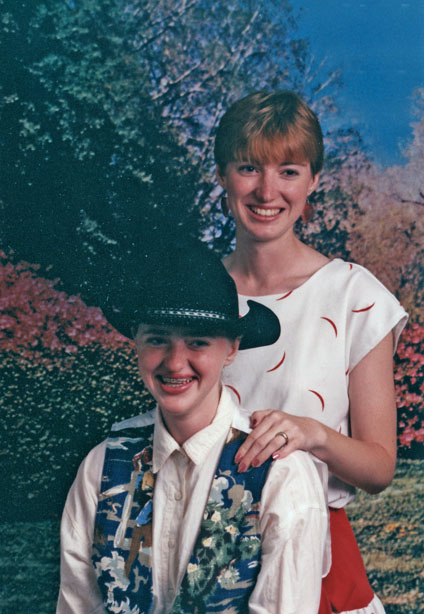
(225, 561)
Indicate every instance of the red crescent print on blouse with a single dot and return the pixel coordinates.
(363, 309)
(347, 371)
(330, 322)
(320, 398)
(284, 296)
(350, 265)
(279, 364)
(340, 428)
(236, 392)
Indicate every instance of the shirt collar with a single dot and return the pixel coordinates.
(200, 444)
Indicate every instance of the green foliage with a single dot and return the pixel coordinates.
(89, 164)
(107, 117)
(54, 416)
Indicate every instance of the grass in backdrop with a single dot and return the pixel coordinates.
(389, 528)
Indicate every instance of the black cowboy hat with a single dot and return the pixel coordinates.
(184, 284)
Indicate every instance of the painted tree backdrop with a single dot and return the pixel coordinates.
(107, 118)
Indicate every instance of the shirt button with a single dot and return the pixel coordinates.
(171, 543)
(178, 495)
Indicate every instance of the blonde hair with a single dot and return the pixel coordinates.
(269, 127)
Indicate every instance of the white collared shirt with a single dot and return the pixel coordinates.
(293, 521)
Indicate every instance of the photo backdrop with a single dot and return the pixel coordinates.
(108, 110)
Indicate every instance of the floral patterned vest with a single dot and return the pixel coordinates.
(225, 562)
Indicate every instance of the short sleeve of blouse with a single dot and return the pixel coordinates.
(372, 312)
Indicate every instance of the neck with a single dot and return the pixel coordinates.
(267, 267)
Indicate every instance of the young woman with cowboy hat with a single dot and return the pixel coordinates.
(159, 519)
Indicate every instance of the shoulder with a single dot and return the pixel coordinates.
(86, 486)
(302, 464)
(301, 480)
(90, 469)
(135, 422)
(372, 312)
(347, 273)
(363, 299)
(96, 454)
(125, 440)
(360, 276)
(349, 276)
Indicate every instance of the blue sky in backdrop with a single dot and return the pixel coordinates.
(379, 47)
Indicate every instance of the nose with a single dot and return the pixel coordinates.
(265, 188)
(175, 358)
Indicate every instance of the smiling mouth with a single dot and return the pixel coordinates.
(174, 382)
(265, 212)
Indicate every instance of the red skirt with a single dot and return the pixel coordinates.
(346, 587)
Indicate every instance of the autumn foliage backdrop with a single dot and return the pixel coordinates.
(107, 117)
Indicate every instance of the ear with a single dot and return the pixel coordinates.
(314, 184)
(232, 352)
(220, 176)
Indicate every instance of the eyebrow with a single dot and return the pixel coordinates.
(182, 332)
(151, 330)
(285, 163)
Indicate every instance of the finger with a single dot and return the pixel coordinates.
(274, 450)
(261, 450)
(257, 440)
(257, 416)
(284, 451)
(284, 437)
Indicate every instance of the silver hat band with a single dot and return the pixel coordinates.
(189, 313)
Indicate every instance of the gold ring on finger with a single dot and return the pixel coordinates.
(284, 436)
